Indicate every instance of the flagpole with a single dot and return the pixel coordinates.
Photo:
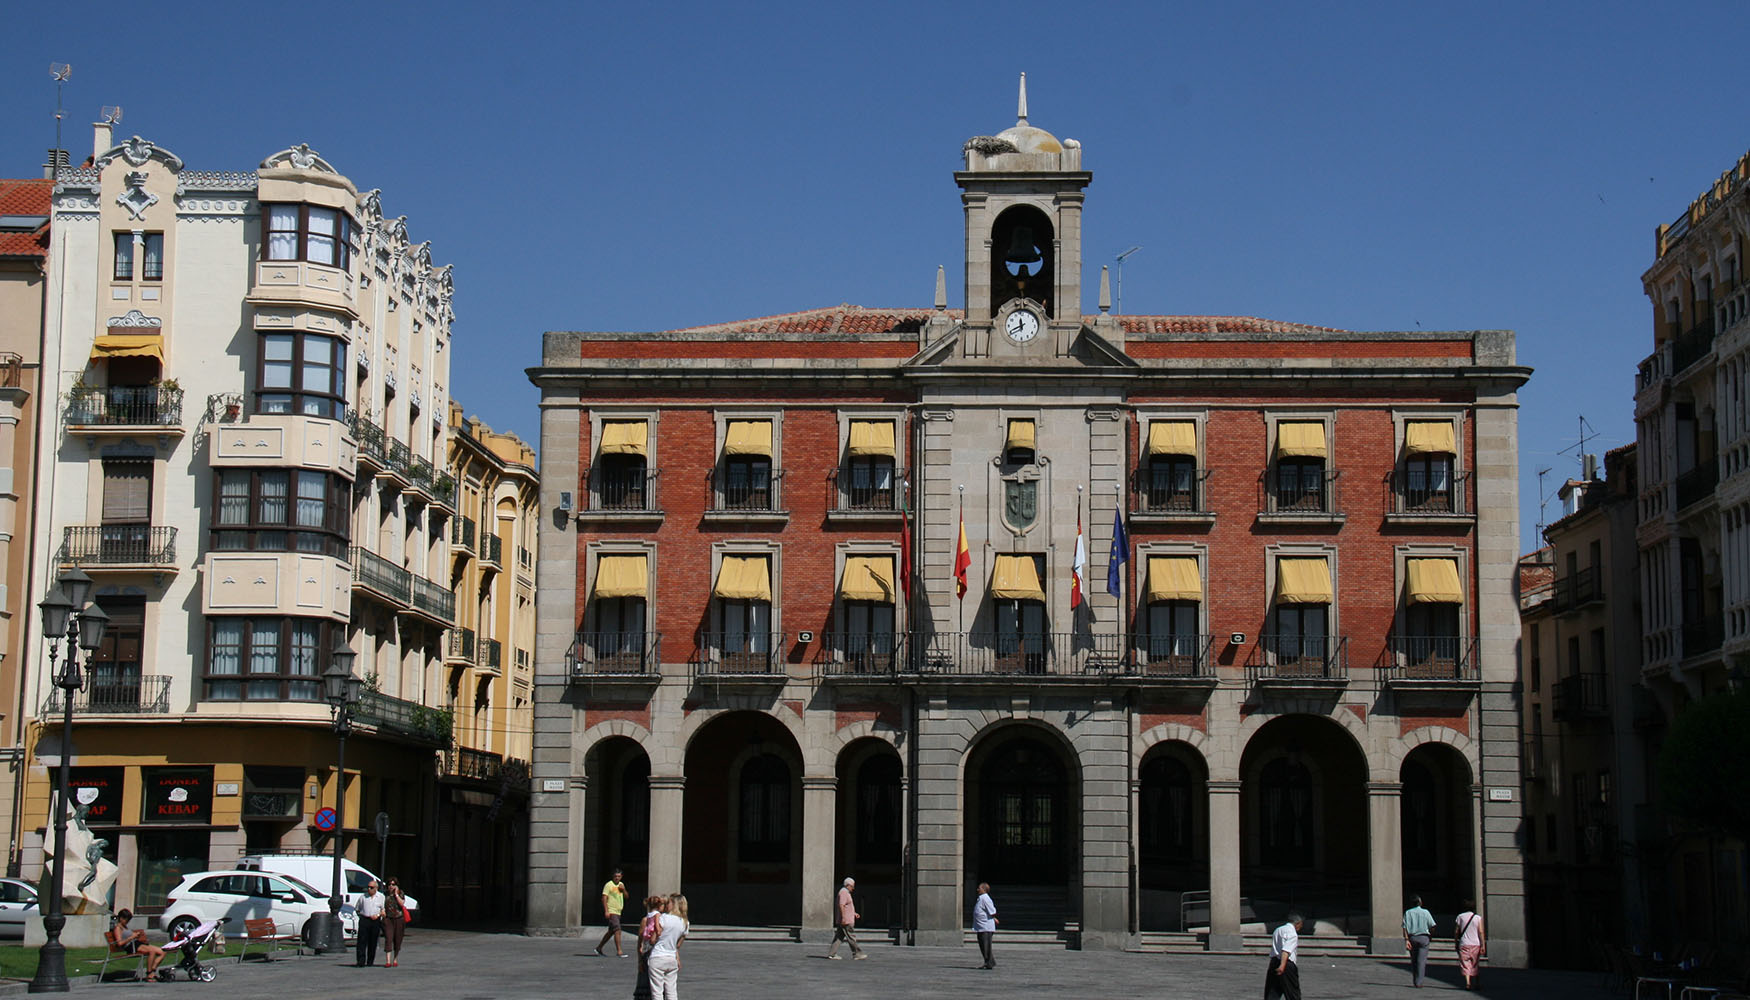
(961, 602)
(1124, 577)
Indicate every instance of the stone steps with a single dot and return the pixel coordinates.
(1194, 942)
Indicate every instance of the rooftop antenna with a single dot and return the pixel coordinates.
(1542, 506)
(112, 114)
(60, 71)
(1579, 447)
(1120, 296)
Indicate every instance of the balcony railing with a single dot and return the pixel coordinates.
(461, 646)
(1037, 654)
(406, 718)
(1428, 496)
(1299, 657)
(1186, 656)
(1577, 589)
(491, 655)
(381, 575)
(475, 765)
(1429, 658)
(851, 491)
(421, 473)
(1290, 494)
(1698, 483)
(491, 549)
(862, 654)
(739, 654)
(615, 491)
(1580, 696)
(223, 408)
(433, 598)
(373, 442)
(1694, 344)
(615, 654)
(123, 694)
(119, 545)
(462, 532)
(745, 494)
(1152, 493)
(125, 406)
(11, 370)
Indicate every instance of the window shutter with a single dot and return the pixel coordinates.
(127, 492)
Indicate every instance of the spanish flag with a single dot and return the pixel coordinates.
(962, 557)
(1077, 567)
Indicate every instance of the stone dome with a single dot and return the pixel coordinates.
(1028, 139)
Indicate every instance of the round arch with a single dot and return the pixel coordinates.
(1171, 805)
(1437, 823)
(1021, 824)
(741, 841)
(616, 810)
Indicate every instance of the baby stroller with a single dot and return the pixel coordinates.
(190, 945)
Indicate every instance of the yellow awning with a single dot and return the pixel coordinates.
(744, 578)
(129, 345)
(1300, 439)
(1174, 578)
(1172, 437)
(626, 437)
(621, 576)
(1429, 437)
(1016, 578)
(1021, 435)
(867, 578)
(1434, 581)
(749, 437)
(871, 438)
(1303, 580)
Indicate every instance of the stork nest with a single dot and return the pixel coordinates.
(989, 145)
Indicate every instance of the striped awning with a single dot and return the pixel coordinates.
(1429, 437)
(744, 578)
(1021, 435)
(129, 345)
(1172, 437)
(1174, 578)
(622, 576)
(1300, 439)
(1016, 578)
(867, 578)
(1303, 580)
(871, 439)
(626, 437)
(1433, 581)
(748, 437)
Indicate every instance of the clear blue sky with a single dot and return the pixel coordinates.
(1377, 166)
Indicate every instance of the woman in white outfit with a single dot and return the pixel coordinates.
(664, 963)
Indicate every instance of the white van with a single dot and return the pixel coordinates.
(318, 870)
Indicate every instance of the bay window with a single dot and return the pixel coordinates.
(267, 658)
(309, 233)
(302, 373)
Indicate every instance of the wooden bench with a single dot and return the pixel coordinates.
(267, 932)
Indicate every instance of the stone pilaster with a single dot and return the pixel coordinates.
(1386, 871)
(1224, 865)
(667, 798)
(819, 797)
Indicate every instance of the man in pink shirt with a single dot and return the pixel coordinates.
(847, 924)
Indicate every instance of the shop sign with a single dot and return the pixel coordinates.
(99, 791)
(178, 795)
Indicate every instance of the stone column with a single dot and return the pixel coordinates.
(577, 813)
(1386, 878)
(1224, 865)
(941, 903)
(819, 795)
(667, 796)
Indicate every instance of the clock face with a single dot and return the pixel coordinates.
(1022, 326)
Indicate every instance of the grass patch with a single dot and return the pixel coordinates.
(19, 962)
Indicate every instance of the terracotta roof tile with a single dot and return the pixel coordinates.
(25, 197)
(849, 319)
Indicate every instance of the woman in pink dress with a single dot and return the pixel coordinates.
(1468, 933)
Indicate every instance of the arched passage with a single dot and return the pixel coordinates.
(741, 848)
(870, 824)
(1022, 826)
(1438, 828)
(1303, 823)
(618, 808)
(1172, 836)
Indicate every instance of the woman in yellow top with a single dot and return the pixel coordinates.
(613, 904)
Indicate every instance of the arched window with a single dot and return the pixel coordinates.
(1165, 823)
(765, 809)
(878, 810)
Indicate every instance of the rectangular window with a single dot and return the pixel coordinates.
(1574, 664)
(1536, 659)
(871, 483)
(268, 659)
(747, 483)
(302, 373)
(1172, 636)
(114, 685)
(152, 260)
(254, 508)
(124, 256)
(319, 239)
(225, 660)
(282, 232)
(1302, 639)
(1600, 655)
(307, 232)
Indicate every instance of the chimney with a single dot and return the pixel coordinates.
(1590, 465)
(101, 142)
(57, 158)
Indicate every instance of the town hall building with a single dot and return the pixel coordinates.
(1162, 625)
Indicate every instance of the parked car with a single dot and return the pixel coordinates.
(17, 905)
(249, 895)
(318, 870)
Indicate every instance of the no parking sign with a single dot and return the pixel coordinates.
(325, 819)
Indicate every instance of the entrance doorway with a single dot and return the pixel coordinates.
(619, 810)
(1022, 829)
(741, 845)
(1303, 823)
(1172, 832)
(1437, 828)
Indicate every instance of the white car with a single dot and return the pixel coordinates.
(249, 895)
(318, 870)
(17, 905)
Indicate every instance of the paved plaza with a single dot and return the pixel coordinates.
(457, 965)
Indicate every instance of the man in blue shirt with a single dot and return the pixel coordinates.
(1418, 928)
(984, 923)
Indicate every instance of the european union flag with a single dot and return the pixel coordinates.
(1120, 551)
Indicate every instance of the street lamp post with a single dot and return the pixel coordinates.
(65, 616)
(342, 691)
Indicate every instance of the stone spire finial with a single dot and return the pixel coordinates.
(1021, 108)
(1105, 288)
(941, 289)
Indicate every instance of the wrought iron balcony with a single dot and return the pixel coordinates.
(1697, 484)
(1004, 653)
(1184, 656)
(120, 693)
(1695, 343)
(491, 656)
(862, 654)
(406, 718)
(621, 492)
(461, 645)
(739, 654)
(382, 576)
(491, 549)
(1581, 696)
(373, 442)
(860, 491)
(1423, 496)
(100, 545)
(125, 406)
(615, 654)
(1577, 589)
(433, 598)
(1286, 495)
(1412, 658)
(1295, 658)
(1180, 491)
(462, 532)
(738, 493)
(472, 764)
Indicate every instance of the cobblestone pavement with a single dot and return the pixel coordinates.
(457, 965)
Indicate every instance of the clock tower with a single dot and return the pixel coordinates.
(1022, 195)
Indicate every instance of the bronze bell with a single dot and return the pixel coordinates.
(1021, 248)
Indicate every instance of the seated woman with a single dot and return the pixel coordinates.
(133, 942)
